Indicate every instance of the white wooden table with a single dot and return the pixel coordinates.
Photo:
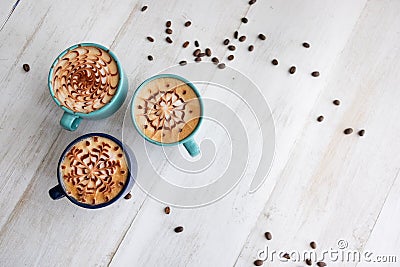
(323, 185)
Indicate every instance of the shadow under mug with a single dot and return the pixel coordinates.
(59, 191)
(70, 119)
(188, 142)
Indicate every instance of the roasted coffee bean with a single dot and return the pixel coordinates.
(196, 43)
(221, 66)
(169, 40)
(236, 34)
(197, 59)
(167, 210)
(226, 41)
(232, 47)
(185, 44)
(215, 60)
(306, 45)
(286, 256)
(151, 39)
(168, 31)
(128, 196)
(183, 62)
(242, 38)
(245, 20)
(308, 262)
(202, 54)
(274, 62)
(313, 245)
(321, 264)
(336, 102)
(188, 23)
(252, 2)
(208, 52)
(178, 229)
(196, 52)
(168, 23)
(144, 8)
(26, 67)
(315, 73)
(150, 57)
(231, 57)
(320, 118)
(251, 48)
(262, 36)
(348, 131)
(292, 70)
(361, 132)
(268, 235)
(258, 262)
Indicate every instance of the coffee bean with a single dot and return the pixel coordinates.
(321, 264)
(245, 20)
(315, 73)
(183, 62)
(308, 262)
(168, 23)
(251, 2)
(336, 102)
(185, 44)
(236, 34)
(274, 62)
(167, 210)
(361, 132)
(320, 118)
(196, 52)
(348, 131)
(168, 31)
(221, 66)
(178, 229)
(202, 54)
(128, 196)
(286, 256)
(26, 67)
(262, 36)
(197, 59)
(151, 39)
(208, 52)
(258, 262)
(226, 42)
(150, 57)
(242, 38)
(196, 43)
(215, 60)
(232, 47)
(169, 40)
(144, 8)
(188, 23)
(313, 245)
(231, 57)
(306, 45)
(251, 48)
(292, 70)
(268, 235)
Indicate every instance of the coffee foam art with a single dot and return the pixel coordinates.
(94, 170)
(85, 79)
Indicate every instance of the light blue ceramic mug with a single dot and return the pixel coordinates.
(188, 142)
(71, 119)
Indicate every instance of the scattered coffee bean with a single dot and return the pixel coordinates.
(252, 2)
(169, 40)
(221, 66)
(178, 229)
(245, 20)
(274, 62)
(258, 262)
(168, 23)
(315, 73)
(196, 43)
(208, 52)
(26, 67)
(215, 60)
(348, 131)
(336, 102)
(286, 256)
(202, 54)
(128, 196)
(320, 118)
(185, 44)
(144, 8)
(306, 45)
(151, 39)
(196, 52)
(308, 262)
(232, 47)
(236, 34)
(242, 38)
(313, 245)
(197, 59)
(226, 41)
(268, 235)
(183, 62)
(262, 36)
(167, 210)
(321, 264)
(168, 31)
(231, 57)
(150, 57)
(292, 70)
(361, 132)
(188, 23)
(251, 48)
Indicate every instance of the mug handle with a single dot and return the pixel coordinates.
(70, 122)
(56, 192)
(192, 147)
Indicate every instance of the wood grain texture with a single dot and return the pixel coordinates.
(323, 185)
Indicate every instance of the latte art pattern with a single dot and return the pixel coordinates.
(85, 79)
(94, 170)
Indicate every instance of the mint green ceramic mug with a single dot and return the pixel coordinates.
(167, 110)
(87, 81)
